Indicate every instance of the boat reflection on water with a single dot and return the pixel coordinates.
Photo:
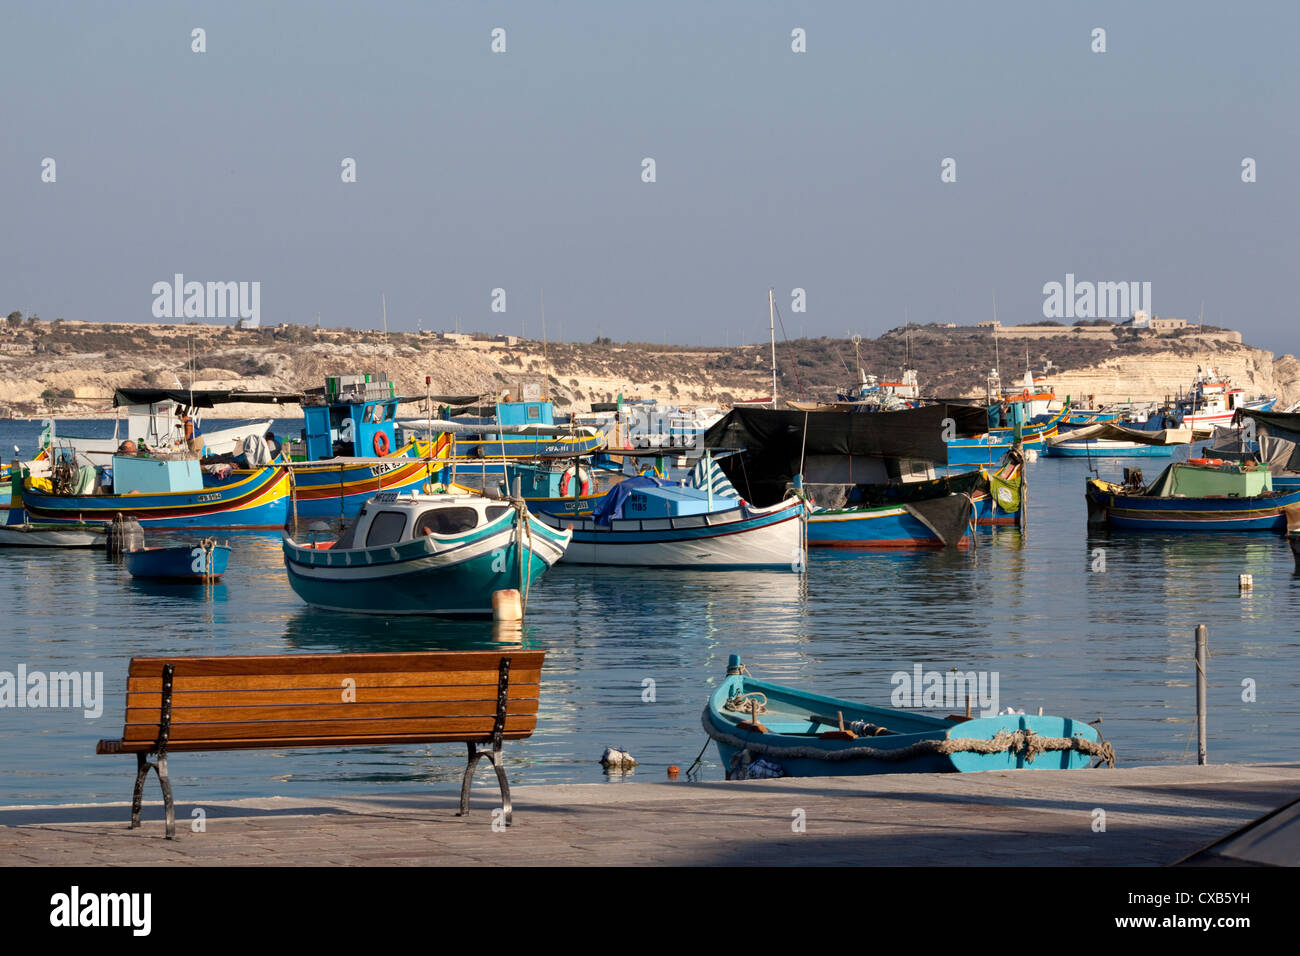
(325, 632)
(165, 592)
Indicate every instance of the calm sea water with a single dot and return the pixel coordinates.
(1115, 644)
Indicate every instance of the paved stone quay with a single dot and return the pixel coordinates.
(1153, 816)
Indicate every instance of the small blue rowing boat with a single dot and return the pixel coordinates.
(203, 562)
(767, 730)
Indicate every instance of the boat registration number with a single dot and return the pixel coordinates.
(383, 468)
(206, 498)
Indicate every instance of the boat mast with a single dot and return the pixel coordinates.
(771, 322)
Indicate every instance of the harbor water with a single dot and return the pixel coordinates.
(1081, 622)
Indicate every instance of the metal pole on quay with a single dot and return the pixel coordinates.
(1202, 657)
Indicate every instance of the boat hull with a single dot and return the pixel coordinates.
(52, 536)
(1142, 513)
(739, 538)
(181, 564)
(1103, 448)
(872, 528)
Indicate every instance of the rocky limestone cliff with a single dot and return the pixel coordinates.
(72, 368)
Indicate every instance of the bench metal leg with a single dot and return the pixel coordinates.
(142, 767)
(494, 756)
(468, 779)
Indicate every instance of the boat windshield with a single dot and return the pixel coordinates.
(446, 521)
(385, 528)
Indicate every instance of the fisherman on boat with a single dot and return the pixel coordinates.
(193, 431)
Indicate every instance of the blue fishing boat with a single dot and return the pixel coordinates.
(160, 492)
(443, 555)
(767, 730)
(1112, 440)
(205, 561)
(988, 449)
(571, 489)
(1197, 495)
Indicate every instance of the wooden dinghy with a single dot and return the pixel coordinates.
(766, 730)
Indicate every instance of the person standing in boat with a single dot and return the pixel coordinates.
(193, 432)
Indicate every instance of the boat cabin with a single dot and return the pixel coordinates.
(352, 415)
(390, 518)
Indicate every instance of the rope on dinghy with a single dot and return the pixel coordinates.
(1021, 742)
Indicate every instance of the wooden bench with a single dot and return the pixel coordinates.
(176, 704)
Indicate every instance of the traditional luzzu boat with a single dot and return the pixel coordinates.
(768, 730)
(189, 564)
(443, 555)
(349, 450)
(160, 492)
(1198, 495)
(652, 522)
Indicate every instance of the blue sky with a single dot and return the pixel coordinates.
(523, 170)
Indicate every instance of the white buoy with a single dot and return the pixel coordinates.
(507, 606)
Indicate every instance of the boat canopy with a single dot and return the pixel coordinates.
(1181, 480)
(1278, 434)
(1109, 431)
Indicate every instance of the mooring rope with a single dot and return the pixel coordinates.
(1022, 742)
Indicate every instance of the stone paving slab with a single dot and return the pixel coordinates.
(1153, 815)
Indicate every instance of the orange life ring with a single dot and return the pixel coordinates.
(1026, 395)
(381, 444)
(584, 480)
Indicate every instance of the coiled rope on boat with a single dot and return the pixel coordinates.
(1024, 743)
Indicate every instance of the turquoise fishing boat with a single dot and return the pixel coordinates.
(767, 730)
(435, 554)
(1197, 495)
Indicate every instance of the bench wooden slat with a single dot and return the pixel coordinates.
(414, 726)
(332, 695)
(274, 743)
(334, 663)
(425, 678)
(182, 716)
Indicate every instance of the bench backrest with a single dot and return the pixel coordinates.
(305, 700)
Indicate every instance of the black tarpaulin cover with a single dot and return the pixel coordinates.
(201, 397)
(773, 442)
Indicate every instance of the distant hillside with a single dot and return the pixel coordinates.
(71, 368)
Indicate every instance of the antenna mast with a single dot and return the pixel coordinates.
(771, 321)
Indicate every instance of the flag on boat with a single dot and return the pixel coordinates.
(706, 470)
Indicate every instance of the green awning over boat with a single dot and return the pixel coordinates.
(1189, 481)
